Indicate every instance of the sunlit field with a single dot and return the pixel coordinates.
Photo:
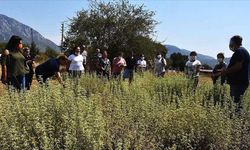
(151, 113)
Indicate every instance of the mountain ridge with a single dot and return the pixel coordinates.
(10, 26)
(205, 59)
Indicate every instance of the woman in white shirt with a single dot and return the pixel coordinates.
(76, 63)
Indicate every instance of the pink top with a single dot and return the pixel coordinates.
(118, 64)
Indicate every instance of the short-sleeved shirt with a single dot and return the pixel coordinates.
(48, 68)
(84, 55)
(160, 65)
(222, 65)
(192, 68)
(131, 63)
(118, 64)
(240, 77)
(105, 64)
(142, 63)
(17, 64)
(76, 62)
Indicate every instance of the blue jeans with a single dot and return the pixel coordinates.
(18, 82)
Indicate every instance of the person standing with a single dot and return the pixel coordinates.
(76, 63)
(50, 68)
(29, 60)
(160, 65)
(118, 65)
(4, 63)
(218, 68)
(237, 70)
(84, 55)
(141, 64)
(105, 66)
(192, 68)
(16, 68)
(129, 68)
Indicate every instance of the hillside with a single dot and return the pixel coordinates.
(203, 58)
(10, 26)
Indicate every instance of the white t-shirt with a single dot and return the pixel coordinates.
(142, 63)
(76, 62)
(192, 68)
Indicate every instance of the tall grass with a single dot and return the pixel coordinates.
(152, 113)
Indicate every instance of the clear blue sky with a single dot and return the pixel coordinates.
(204, 26)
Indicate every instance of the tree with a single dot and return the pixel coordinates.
(51, 52)
(115, 25)
(178, 61)
(34, 50)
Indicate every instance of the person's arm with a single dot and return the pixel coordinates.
(4, 74)
(59, 78)
(236, 67)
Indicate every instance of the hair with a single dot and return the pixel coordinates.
(62, 57)
(220, 55)
(13, 43)
(193, 53)
(237, 40)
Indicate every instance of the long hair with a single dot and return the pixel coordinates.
(13, 43)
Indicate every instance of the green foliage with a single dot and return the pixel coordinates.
(51, 52)
(178, 61)
(152, 113)
(116, 26)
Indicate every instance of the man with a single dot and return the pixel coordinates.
(237, 70)
(29, 60)
(129, 68)
(192, 68)
(50, 68)
(217, 69)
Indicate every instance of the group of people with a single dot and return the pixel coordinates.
(236, 73)
(18, 66)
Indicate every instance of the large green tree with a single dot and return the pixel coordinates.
(178, 61)
(116, 25)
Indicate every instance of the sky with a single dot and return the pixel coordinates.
(204, 26)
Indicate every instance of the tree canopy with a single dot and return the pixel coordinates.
(116, 26)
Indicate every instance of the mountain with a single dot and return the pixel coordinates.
(10, 26)
(203, 58)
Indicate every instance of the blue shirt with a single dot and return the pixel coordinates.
(48, 68)
(240, 77)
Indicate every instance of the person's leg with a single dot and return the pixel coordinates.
(131, 76)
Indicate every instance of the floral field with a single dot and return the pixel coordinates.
(151, 113)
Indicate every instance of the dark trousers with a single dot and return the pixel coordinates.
(28, 79)
(237, 91)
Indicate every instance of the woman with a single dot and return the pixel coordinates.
(76, 63)
(160, 64)
(16, 68)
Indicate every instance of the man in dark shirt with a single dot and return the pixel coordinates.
(50, 68)
(237, 70)
(129, 69)
(218, 68)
